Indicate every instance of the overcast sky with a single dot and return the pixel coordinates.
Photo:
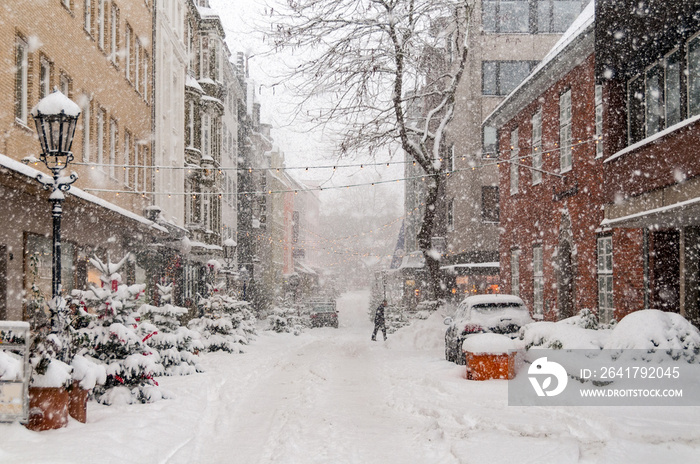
(244, 21)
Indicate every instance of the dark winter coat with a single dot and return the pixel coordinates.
(379, 316)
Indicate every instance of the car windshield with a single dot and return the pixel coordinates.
(323, 309)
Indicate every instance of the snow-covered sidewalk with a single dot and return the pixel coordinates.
(332, 395)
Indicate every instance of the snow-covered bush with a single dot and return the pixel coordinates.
(226, 323)
(285, 319)
(161, 330)
(652, 329)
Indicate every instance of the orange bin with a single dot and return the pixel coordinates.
(487, 366)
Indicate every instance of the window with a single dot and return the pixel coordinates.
(137, 65)
(654, 99)
(530, 16)
(21, 80)
(127, 50)
(565, 157)
(537, 148)
(128, 161)
(114, 34)
(605, 279)
(64, 84)
(86, 129)
(672, 92)
(101, 17)
(556, 16)
(190, 125)
(139, 169)
(598, 121)
(204, 57)
(514, 162)
(100, 134)
(87, 16)
(694, 77)
(490, 210)
(515, 272)
(144, 76)
(206, 151)
(538, 281)
(505, 16)
(113, 148)
(635, 109)
(451, 215)
(490, 142)
(502, 77)
(44, 77)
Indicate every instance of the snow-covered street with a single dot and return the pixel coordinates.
(332, 395)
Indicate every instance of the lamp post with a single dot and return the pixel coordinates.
(56, 117)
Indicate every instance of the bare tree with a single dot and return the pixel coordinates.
(385, 72)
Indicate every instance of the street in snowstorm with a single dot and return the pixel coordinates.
(333, 396)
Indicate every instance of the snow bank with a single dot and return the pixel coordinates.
(421, 334)
(490, 343)
(654, 329)
(562, 335)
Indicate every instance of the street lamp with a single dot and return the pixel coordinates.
(56, 117)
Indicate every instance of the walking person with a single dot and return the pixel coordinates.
(379, 320)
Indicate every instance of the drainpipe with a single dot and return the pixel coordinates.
(645, 257)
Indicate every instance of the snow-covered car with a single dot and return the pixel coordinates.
(324, 314)
(500, 314)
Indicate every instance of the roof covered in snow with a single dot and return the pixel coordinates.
(12, 165)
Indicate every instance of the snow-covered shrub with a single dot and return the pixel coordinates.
(225, 325)
(161, 330)
(652, 329)
(285, 319)
(571, 333)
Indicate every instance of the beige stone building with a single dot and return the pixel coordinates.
(97, 52)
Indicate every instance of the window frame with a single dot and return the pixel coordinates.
(598, 102)
(538, 280)
(566, 161)
(514, 161)
(515, 272)
(536, 147)
(498, 76)
(21, 80)
(604, 278)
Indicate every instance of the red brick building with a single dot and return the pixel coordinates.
(650, 74)
(599, 173)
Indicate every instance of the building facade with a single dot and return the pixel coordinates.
(551, 194)
(650, 75)
(99, 54)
